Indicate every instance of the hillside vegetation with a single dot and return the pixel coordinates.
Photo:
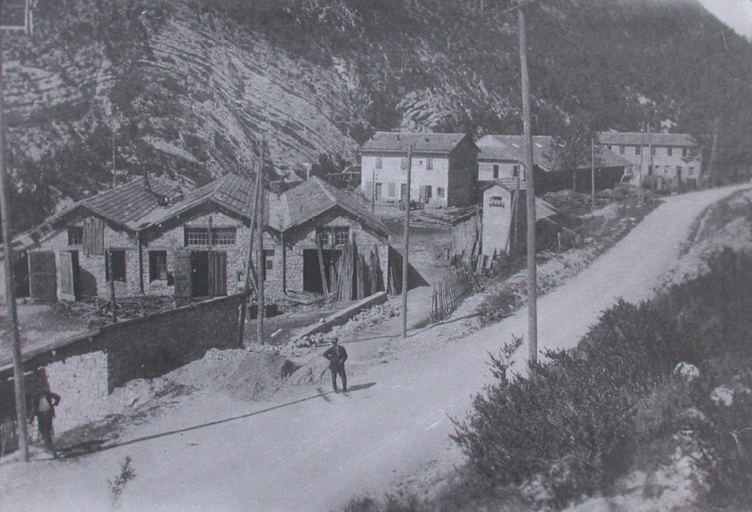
(188, 88)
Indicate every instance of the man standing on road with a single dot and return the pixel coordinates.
(337, 355)
(43, 409)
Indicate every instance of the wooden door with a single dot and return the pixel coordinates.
(67, 276)
(183, 274)
(217, 273)
(42, 275)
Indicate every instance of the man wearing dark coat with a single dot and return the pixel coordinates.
(337, 355)
(43, 409)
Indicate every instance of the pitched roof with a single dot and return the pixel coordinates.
(128, 203)
(231, 191)
(510, 147)
(398, 142)
(656, 139)
(543, 209)
(310, 199)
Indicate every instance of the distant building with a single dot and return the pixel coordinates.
(502, 160)
(444, 168)
(676, 157)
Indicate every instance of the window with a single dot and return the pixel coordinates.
(691, 171)
(670, 151)
(637, 150)
(496, 172)
(114, 265)
(333, 236)
(268, 262)
(440, 191)
(403, 163)
(515, 171)
(622, 150)
(219, 236)
(391, 189)
(496, 201)
(685, 152)
(157, 266)
(652, 150)
(429, 163)
(75, 235)
(379, 162)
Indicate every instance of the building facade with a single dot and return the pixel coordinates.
(672, 158)
(443, 173)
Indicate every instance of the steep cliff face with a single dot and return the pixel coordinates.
(189, 88)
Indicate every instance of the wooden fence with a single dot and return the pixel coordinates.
(451, 290)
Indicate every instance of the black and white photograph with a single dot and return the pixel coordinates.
(375, 255)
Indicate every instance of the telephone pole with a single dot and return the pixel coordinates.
(406, 242)
(10, 291)
(532, 277)
(260, 259)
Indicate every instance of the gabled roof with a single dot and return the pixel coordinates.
(312, 198)
(510, 148)
(656, 139)
(399, 142)
(231, 191)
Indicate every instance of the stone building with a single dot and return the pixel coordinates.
(145, 238)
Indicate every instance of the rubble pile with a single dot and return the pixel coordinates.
(570, 201)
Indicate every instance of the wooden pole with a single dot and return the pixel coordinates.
(113, 305)
(592, 174)
(651, 171)
(640, 196)
(406, 242)
(250, 274)
(532, 292)
(260, 259)
(10, 291)
(322, 270)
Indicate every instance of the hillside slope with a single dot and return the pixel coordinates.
(188, 88)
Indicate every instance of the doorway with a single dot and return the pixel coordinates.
(312, 271)
(200, 273)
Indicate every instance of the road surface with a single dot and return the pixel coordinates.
(316, 453)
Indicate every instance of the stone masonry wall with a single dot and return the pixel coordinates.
(148, 347)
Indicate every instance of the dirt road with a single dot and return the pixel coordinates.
(316, 453)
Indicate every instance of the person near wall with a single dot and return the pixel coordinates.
(42, 408)
(337, 355)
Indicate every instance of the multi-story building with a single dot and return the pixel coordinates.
(672, 158)
(444, 168)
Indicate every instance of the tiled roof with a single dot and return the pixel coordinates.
(231, 191)
(656, 139)
(510, 147)
(398, 142)
(314, 197)
(127, 203)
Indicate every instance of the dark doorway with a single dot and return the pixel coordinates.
(312, 271)
(200, 273)
(21, 274)
(208, 276)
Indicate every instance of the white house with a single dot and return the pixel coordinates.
(670, 157)
(444, 168)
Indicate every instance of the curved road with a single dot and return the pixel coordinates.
(315, 454)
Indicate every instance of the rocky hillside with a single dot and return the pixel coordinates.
(188, 88)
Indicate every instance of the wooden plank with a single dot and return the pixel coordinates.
(217, 273)
(42, 275)
(183, 287)
(67, 291)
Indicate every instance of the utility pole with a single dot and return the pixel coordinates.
(532, 278)
(592, 173)
(651, 170)
(10, 291)
(260, 259)
(640, 195)
(373, 190)
(406, 241)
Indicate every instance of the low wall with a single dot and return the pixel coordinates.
(342, 316)
(85, 369)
